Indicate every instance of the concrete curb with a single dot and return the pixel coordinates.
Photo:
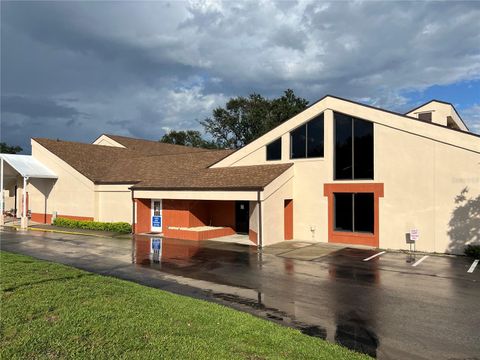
(61, 232)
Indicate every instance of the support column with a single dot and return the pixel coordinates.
(2, 200)
(260, 224)
(24, 220)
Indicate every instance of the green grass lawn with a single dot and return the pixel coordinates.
(55, 311)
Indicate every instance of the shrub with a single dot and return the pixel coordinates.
(119, 227)
(473, 251)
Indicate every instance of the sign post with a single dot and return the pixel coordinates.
(412, 238)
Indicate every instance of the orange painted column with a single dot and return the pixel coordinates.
(288, 219)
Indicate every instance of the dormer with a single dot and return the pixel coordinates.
(106, 140)
(439, 112)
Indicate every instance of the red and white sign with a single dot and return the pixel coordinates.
(414, 235)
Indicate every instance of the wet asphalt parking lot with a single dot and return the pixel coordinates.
(389, 305)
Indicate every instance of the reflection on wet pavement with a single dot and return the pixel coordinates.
(279, 287)
(384, 307)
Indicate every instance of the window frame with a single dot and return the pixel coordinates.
(353, 196)
(279, 140)
(352, 118)
(305, 124)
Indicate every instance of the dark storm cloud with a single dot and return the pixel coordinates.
(37, 107)
(141, 68)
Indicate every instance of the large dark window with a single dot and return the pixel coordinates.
(298, 142)
(315, 137)
(343, 147)
(425, 116)
(274, 150)
(343, 212)
(306, 141)
(354, 212)
(353, 148)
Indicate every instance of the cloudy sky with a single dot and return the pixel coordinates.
(74, 70)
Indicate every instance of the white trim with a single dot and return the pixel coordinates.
(152, 228)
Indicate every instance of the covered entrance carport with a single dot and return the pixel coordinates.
(16, 172)
(208, 211)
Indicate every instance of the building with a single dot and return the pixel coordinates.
(338, 172)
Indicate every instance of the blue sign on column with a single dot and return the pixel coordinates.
(157, 221)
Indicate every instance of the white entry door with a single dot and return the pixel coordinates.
(156, 217)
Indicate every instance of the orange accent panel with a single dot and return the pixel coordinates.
(197, 235)
(252, 236)
(72, 217)
(47, 218)
(143, 215)
(222, 213)
(189, 213)
(349, 237)
(42, 218)
(288, 219)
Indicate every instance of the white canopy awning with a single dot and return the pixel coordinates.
(28, 166)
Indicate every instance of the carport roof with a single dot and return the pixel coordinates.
(28, 166)
(251, 178)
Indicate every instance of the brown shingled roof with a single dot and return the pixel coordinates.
(152, 147)
(177, 169)
(254, 177)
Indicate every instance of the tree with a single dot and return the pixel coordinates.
(246, 118)
(7, 149)
(191, 138)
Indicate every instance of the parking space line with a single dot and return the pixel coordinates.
(473, 266)
(419, 261)
(374, 256)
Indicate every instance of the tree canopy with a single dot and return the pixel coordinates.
(191, 138)
(7, 149)
(242, 120)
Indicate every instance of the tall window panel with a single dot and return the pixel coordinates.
(315, 130)
(353, 148)
(306, 141)
(274, 150)
(343, 147)
(297, 142)
(363, 212)
(362, 149)
(343, 212)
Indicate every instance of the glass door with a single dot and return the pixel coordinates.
(156, 224)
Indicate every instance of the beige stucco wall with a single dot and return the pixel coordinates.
(440, 113)
(422, 179)
(423, 168)
(197, 195)
(71, 194)
(253, 217)
(273, 208)
(113, 203)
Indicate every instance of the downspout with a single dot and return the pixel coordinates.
(16, 205)
(260, 225)
(24, 220)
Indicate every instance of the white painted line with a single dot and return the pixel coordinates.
(474, 265)
(374, 256)
(419, 261)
